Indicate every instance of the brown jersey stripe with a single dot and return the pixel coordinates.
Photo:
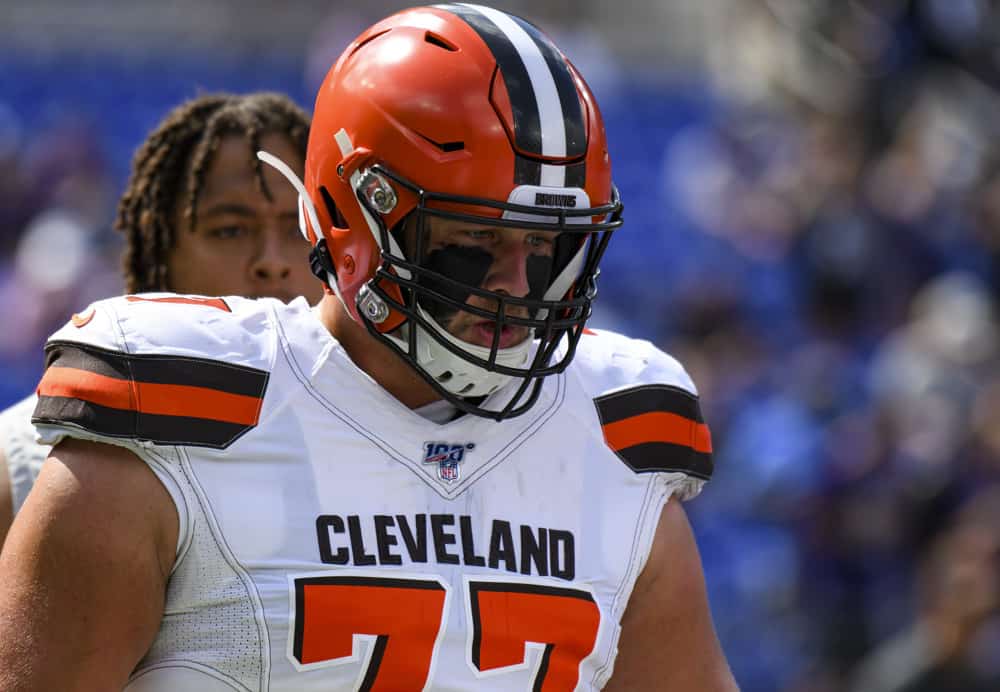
(149, 398)
(663, 457)
(133, 425)
(658, 426)
(159, 369)
(97, 361)
(646, 399)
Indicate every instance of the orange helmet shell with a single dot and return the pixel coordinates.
(442, 97)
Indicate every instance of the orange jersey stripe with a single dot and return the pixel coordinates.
(148, 398)
(658, 426)
(218, 303)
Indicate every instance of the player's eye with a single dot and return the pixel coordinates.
(227, 232)
(541, 242)
(479, 234)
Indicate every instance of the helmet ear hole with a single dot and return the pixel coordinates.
(331, 208)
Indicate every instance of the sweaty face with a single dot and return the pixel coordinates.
(508, 261)
(243, 243)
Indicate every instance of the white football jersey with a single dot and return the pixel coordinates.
(23, 454)
(333, 539)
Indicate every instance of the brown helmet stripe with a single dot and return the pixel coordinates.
(549, 120)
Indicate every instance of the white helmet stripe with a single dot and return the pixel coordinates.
(549, 118)
(550, 112)
(553, 176)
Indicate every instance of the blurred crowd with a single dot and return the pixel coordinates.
(812, 228)
(833, 252)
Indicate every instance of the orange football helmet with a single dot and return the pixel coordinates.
(461, 112)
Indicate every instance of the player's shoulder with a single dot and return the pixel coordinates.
(608, 361)
(163, 368)
(169, 323)
(647, 406)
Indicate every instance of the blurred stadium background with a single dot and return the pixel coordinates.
(812, 194)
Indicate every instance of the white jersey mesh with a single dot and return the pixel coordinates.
(209, 615)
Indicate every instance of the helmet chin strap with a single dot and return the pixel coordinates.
(306, 204)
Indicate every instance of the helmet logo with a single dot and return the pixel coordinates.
(549, 199)
(447, 456)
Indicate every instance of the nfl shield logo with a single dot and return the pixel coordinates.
(447, 456)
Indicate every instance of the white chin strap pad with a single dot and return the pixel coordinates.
(454, 373)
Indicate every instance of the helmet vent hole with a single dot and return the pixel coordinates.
(445, 376)
(444, 146)
(368, 40)
(467, 388)
(440, 42)
(331, 208)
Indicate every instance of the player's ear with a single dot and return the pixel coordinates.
(331, 207)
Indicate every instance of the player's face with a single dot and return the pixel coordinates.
(509, 261)
(243, 243)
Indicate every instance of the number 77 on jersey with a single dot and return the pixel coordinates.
(405, 618)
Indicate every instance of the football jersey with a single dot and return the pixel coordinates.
(23, 454)
(333, 539)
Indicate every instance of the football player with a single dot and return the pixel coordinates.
(196, 172)
(433, 480)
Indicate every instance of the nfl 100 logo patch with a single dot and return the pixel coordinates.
(447, 456)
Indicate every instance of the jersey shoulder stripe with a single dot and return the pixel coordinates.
(163, 399)
(657, 427)
(217, 303)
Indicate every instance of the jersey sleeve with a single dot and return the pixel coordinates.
(649, 410)
(150, 371)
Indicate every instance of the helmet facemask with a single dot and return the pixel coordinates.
(441, 284)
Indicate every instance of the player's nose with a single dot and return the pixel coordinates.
(271, 261)
(509, 272)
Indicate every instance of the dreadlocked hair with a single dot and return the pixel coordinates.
(169, 167)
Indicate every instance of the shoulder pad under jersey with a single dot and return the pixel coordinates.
(647, 404)
(159, 369)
